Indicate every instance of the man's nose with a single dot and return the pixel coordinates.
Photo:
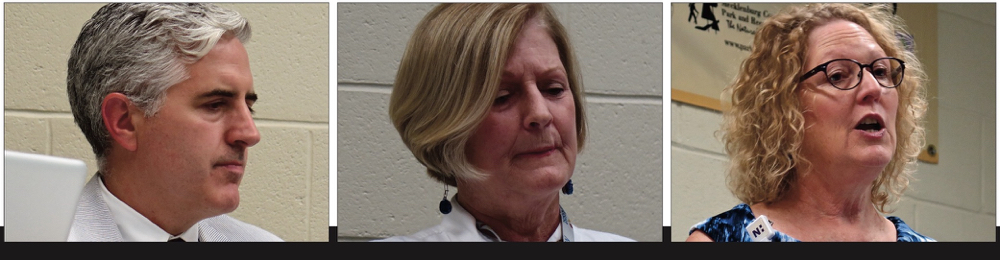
(243, 131)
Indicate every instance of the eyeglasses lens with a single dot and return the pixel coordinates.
(845, 74)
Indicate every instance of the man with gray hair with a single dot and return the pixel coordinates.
(164, 95)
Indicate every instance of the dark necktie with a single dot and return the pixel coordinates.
(176, 240)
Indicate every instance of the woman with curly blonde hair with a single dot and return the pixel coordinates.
(824, 129)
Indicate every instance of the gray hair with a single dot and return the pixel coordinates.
(140, 50)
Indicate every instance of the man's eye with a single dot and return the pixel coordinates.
(215, 105)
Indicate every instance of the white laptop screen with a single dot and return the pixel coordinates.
(40, 196)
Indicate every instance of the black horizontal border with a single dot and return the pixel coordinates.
(532, 250)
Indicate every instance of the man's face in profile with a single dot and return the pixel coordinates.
(196, 145)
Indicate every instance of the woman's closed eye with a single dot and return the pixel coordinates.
(555, 89)
(502, 98)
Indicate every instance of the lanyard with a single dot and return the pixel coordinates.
(564, 226)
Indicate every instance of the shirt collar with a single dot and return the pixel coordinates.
(137, 228)
(460, 223)
(462, 217)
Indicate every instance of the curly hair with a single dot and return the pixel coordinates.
(764, 128)
(450, 73)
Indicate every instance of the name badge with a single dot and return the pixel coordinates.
(760, 229)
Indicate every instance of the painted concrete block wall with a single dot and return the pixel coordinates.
(954, 200)
(286, 187)
(383, 191)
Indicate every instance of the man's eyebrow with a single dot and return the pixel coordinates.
(217, 93)
(226, 93)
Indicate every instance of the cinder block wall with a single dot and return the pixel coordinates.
(286, 188)
(383, 191)
(954, 200)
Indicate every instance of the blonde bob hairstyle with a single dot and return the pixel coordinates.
(450, 74)
(764, 128)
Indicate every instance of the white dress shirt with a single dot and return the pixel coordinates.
(459, 225)
(137, 228)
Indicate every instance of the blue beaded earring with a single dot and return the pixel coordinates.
(568, 188)
(445, 205)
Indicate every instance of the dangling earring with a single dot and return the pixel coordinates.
(445, 205)
(568, 188)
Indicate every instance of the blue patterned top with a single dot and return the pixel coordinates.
(730, 226)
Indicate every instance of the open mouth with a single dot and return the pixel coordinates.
(870, 124)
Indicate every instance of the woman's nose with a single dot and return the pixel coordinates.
(537, 114)
(870, 90)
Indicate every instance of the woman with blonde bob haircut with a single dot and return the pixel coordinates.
(824, 128)
(488, 97)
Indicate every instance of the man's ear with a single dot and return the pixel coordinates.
(117, 115)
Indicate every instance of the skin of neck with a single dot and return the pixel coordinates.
(514, 217)
(829, 205)
(124, 179)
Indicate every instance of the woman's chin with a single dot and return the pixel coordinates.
(544, 180)
(552, 181)
(874, 157)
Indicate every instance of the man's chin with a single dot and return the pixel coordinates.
(228, 201)
(229, 208)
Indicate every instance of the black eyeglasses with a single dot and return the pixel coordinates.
(846, 74)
